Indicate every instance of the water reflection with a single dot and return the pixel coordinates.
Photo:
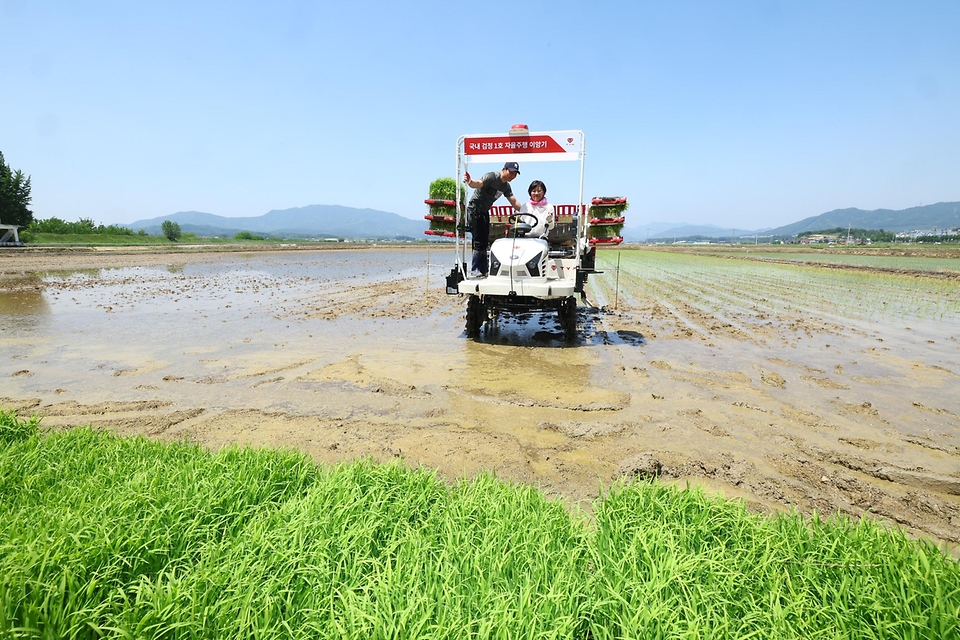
(146, 298)
(531, 376)
(68, 274)
(104, 274)
(530, 366)
(543, 330)
(22, 295)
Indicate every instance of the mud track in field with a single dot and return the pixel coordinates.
(363, 355)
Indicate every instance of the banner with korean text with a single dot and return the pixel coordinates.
(523, 147)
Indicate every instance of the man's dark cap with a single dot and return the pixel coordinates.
(512, 166)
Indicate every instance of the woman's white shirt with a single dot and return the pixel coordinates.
(545, 219)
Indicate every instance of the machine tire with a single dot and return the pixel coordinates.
(568, 318)
(475, 316)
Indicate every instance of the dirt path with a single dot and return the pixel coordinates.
(360, 353)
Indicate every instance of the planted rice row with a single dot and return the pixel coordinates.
(776, 288)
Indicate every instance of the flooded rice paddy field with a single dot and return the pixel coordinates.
(787, 385)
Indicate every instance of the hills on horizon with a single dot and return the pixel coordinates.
(335, 221)
(942, 215)
(312, 221)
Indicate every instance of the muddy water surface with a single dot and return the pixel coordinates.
(353, 353)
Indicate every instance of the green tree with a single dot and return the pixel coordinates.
(14, 196)
(171, 230)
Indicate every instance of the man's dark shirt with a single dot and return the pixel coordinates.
(493, 187)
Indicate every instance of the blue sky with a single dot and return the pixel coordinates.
(746, 114)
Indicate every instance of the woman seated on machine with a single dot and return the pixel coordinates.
(539, 207)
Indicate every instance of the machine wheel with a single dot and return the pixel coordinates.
(568, 318)
(476, 312)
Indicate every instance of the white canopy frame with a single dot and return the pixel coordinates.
(541, 146)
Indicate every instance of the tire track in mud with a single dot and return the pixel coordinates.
(260, 373)
(833, 483)
(393, 299)
(152, 417)
(348, 373)
(617, 403)
(817, 481)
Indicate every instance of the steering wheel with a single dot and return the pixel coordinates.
(516, 218)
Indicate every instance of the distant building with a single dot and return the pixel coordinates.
(818, 238)
(920, 235)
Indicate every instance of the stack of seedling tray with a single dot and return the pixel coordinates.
(606, 220)
(443, 208)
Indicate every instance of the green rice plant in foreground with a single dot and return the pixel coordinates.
(123, 537)
(13, 429)
(382, 552)
(678, 564)
(84, 515)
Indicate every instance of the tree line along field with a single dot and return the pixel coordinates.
(106, 536)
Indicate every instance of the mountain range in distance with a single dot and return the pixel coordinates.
(942, 215)
(313, 221)
(335, 221)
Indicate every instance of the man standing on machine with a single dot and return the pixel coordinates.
(487, 190)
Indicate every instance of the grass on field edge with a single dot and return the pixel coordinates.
(109, 536)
